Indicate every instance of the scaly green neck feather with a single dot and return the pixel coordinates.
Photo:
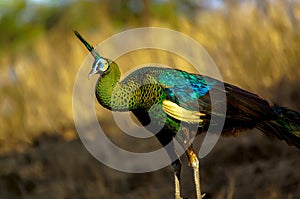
(106, 84)
(137, 90)
(112, 94)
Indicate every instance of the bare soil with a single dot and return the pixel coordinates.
(249, 166)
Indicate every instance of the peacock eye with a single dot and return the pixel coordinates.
(103, 65)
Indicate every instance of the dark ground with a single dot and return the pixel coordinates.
(249, 166)
(245, 167)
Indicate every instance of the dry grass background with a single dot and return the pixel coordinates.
(256, 50)
(252, 50)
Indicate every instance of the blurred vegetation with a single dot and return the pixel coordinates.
(254, 43)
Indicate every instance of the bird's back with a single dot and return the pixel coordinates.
(152, 85)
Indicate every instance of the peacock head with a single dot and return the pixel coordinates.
(100, 64)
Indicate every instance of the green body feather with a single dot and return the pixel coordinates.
(143, 91)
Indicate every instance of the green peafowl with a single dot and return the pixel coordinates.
(176, 104)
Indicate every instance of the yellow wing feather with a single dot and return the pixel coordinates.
(182, 114)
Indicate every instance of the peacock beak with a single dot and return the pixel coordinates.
(92, 72)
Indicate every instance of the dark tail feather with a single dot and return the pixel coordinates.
(285, 125)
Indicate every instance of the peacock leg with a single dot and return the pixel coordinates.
(177, 170)
(194, 163)
(165, 138)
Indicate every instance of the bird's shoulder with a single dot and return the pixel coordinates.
(171, 78)
(179, 86)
